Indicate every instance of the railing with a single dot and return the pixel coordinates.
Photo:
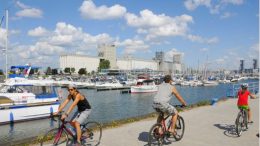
(253, 87)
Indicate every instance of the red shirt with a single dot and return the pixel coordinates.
(243, 98)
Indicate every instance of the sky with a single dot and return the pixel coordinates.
(215, 34)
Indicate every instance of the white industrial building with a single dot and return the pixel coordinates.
(79, 61)
(108, 52)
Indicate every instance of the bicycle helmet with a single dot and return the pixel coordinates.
(72, 86)
(244, 86)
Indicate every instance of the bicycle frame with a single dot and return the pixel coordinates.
(61, 128)
(163, 122)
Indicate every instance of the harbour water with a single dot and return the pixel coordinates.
(111, 105)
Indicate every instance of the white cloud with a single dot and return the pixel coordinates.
(28, 11)
(38, 32)
(89, 10)
(254, 51)
(193, 4)
(204, 49)
(21, 5)
(226, 15)
(65, 38)
(169, 54)
(158, 25)
(213, 6)
(195, 38)
(234, 2)
(147, 19)
(132, 46)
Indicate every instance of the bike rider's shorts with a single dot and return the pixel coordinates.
(246, 107)
(165, 107)
(82, 117)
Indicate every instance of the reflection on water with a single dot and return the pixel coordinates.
(108, 106)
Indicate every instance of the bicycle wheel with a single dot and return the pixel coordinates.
(156, 135)
(179, 128)
(91, 133)
(51, 138)
(239, 124)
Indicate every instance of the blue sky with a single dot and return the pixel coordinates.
(219, 32)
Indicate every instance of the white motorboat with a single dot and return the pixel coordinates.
(26, 102)
(109, 84)
(209, 83)
(144, 86)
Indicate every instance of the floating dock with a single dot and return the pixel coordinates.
(113, 88)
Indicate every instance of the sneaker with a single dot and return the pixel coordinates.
(250, 122)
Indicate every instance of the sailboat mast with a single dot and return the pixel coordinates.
(6, 43)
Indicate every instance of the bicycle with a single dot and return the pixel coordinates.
(241, 123)
(160, 131)
(91, 134)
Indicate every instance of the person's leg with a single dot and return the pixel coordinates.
(159, 119)
(249, 115)
(76, 125)
(172, 110)
(78, 130)
(80, 120)
(174, 119)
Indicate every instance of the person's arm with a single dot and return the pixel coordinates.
(253, 96)
(64, 104)
(178, 96)
(75, 102)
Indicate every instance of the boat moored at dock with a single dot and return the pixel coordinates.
(144, 86)
(26, 102)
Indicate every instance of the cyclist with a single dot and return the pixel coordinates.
(162, 98)
(242, 101)
(83, 112)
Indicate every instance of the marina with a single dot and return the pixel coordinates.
(116, 54)
(112, 105)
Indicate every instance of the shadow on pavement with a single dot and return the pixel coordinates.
(143, 136)
(229, 130)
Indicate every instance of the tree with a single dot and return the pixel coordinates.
(92, 72)
(82, 71)
(72, 70)
(67, 70)
(48, 71)
(103, 64)
(54, 71)
(1, 72)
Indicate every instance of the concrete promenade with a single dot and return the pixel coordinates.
(204, 126)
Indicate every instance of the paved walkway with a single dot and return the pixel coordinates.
(204, 126)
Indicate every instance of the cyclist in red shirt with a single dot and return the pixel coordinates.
(242, 102)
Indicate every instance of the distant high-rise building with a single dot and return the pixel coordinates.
(241, 69)
(108, 52)
(255, 66)
(159, 56)
(177, 58)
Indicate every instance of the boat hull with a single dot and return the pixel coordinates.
(143, 89)
(13, 114)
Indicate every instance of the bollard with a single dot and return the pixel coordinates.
(11, 117)
(214, 101)
(51, 110)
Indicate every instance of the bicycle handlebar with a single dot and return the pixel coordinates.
(180, 106)
(52, 116)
